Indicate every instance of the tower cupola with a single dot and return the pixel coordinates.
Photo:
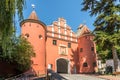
(33, 16)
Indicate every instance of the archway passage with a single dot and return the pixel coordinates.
(62, 66)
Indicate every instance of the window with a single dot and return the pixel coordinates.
(81, 49)
(40, 36)
(69, 45)
(92, 48)
(94, 64)
(50, 66)
(54, 42)
(85, 64)
(26, 35)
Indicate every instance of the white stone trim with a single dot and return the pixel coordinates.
(76, 40)
(65, 25)
(52, 31)
(59, 29)
(58, 23)
(71, 35)
(65, 34)
(65, 30)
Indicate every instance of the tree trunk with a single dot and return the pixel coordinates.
(115, 58)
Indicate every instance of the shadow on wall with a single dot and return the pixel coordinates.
(79, 66)
(86, 66)
(75, 60)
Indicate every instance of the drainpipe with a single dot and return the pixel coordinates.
(45, 56)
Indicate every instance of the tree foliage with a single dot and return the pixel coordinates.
(19, 51)
(8, 10)
(22, 53)
(107, 25)
(13, 49)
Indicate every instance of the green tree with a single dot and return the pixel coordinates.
(107, 24)
(13, 49)
(8, 11)
(22, 53)
(19, 52)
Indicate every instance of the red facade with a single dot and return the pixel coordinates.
(58, 48)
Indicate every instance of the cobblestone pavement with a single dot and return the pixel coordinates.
(109, 77)
(81, 77)
(56, 76)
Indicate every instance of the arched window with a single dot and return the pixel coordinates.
(26, 35)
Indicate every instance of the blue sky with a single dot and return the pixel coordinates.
(50, 10)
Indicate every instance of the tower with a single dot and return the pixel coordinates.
(86, 50)
(35, 32)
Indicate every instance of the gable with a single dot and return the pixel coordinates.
(60, 29)
(82, 30)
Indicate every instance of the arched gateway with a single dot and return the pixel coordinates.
(62, 65)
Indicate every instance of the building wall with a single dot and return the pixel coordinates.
(87, 54)
(35, 33)
(48, 52)
(62, 33)
(54, 52)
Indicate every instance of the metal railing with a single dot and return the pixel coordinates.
(21, 77)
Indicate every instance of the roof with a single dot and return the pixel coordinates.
(33, 15)
(82, 29)
(33, 18)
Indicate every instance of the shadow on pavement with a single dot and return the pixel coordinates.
(54, 76)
